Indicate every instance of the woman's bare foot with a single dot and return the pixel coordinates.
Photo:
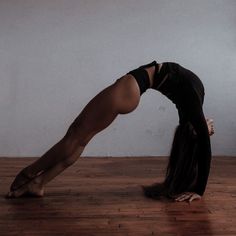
(31, 189)
(210, 126)
(22, 178)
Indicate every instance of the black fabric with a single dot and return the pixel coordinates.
(186, 91)
(141, 76)
(190, 158)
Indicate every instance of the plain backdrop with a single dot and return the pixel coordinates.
(56, 55)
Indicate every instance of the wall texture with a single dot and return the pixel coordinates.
(55, 55)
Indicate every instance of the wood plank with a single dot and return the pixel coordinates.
(103, 196)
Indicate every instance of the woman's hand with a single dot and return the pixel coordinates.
(187, 196)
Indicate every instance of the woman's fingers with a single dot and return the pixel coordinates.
(190, 196)
(184, 196)
(194, 196)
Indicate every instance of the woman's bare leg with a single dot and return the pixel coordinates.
(119, 98)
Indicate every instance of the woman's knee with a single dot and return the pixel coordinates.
(75, 136)
(72, 147)
(73, 155)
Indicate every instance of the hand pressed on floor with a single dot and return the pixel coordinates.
(187, 196)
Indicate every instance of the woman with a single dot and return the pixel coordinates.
(189, 162)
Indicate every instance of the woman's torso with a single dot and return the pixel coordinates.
(173, 80)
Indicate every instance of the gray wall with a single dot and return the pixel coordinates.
(55, 55)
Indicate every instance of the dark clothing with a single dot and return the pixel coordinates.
(142, 77)
(186, 91)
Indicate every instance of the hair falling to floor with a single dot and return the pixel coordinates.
(181, 171)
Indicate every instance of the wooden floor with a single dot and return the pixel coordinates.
(103, 196)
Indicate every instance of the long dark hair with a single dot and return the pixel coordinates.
(181, 171)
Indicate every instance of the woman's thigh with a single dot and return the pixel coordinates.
(119, 98)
